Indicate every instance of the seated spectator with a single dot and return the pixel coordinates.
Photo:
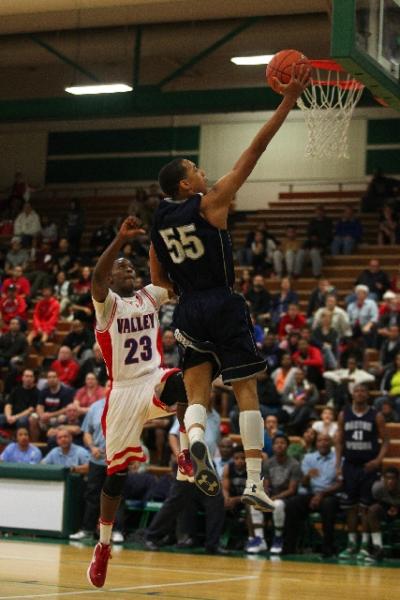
(388, 232)
(21, 451)
(64, 259)
(75, 221)
(302, 413)
(281, 300)
(348, 233)
(94, 365)
(45, 317)
(65, 366)
(388, 412)
(244, 254)
(375, 279)
(13, 345)
(68, 454)
(102, 237)
(340, 320)
(300, 388)
(325, 337)
(319, 231)
(20, 282)
(389, 314)
(21, 403)
(12, 306)
(170, 353)
(327, 425)
(271, 351)
(84, 283)
(290, 250)
(51, 407)
(80, 340)
(379, 191)
(82, 308)
(72, 423)
(49, 230)
(258, 253)
(395, 282)
(309, 358)
(88, 394)
(225, 448)
(270, 430)
(340, 383)
(259, 299)
(390, 385)
(16, 257)
(321, 485)
(363, 316)
(63, 292)
(291, 322)
(318, 296)
(282, 475)
(243, 283)
(306, 444)
(40, 268)
(284, 375)
(27, 225)
(386, 508)
(389, 349)
(258, 331)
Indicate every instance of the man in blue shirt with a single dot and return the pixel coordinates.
(21, 451)
(320, 486)
(68, 454)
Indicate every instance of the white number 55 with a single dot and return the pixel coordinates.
(181, 243)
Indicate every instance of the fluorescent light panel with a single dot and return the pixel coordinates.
(262, 59)
(105, 88)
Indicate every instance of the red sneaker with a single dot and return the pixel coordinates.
(185, 467)
(97, 571)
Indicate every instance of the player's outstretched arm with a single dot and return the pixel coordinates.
(128, 230)
(225, 188)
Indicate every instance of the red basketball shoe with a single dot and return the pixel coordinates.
(97, 571)
(185, 467)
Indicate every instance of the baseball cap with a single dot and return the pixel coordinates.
(389, 295)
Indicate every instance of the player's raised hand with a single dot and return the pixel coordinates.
(130, 228)
(300, 79)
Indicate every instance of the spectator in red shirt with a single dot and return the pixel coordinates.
(290, 322)
(65, 366)
(83, 285)
(45, 317)
(309, 358)
(88, 394)
(12, 306)
(21, 283)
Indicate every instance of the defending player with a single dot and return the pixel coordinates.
(191, 249)
(127, 331)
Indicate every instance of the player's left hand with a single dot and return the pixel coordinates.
(130, 228)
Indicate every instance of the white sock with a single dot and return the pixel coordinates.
(377, 539)
(183, 440)
(352, 538)
(251, 427)
(364, 538)
(195, 414)
(105, 532)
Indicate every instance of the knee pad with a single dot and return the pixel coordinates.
(114, 484)
(174, 390)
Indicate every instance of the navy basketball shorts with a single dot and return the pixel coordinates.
(215, 326)
(357, 485)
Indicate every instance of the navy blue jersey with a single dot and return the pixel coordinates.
(361, 437)
(196, 255)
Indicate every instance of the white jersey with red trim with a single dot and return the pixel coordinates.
(127, 331)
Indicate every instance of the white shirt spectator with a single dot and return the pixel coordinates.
(27, 223)
(366, 313)
(340, 321)
(320, 427)
(352, 377)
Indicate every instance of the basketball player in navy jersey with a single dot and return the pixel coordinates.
(360, 429)
(191, 251)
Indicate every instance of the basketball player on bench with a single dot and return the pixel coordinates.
(191, 252)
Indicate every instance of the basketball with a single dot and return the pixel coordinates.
(281, 66)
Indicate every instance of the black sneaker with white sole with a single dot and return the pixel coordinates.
(205, 476)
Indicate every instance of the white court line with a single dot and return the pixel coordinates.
(132, 588)
(118, 565)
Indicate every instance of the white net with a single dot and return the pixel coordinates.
(328, 106)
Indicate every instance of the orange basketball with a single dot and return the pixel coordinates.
(281, 66)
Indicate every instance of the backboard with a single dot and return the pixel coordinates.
(366, 42)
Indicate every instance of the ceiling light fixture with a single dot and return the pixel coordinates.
(262, 59)
(104, 88)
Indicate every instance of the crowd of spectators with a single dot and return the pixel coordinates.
(316, 357)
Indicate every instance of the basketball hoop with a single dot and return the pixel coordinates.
(328, 105)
